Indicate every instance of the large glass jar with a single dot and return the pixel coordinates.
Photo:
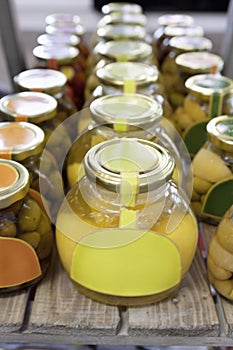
(220, 256)
(210, 95)
(26, 234)
(24, 142)
(127, 115)
(213, 171)
(124, 233)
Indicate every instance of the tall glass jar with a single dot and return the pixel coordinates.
(26, 234)
(213, 171)
(136, 235)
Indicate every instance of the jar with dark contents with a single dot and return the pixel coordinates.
(129, 213)
(64, 58)
(213, 171)
(26, 234)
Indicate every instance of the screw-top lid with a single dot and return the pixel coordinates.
(190, 43)
(118, 73)
(124, 50)
(123, 18)
(220, 132)
(60, 53)
(180, 30)
(123, 111)
(45, 80)
(19, 140)
(107, 162)
(67, 28)
(34, 107)
(62, 19)
(14, 182)
(175, 18)
(125, 7)
(199, 62)
(58, 39)
(121, 32)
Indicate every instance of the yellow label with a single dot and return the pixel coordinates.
(129, 188)
(130, 87)
(128, 218)
(120, 126)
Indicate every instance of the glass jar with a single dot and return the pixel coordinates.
(65, 59)
(127, 115)
(220, 256)
(24, 142)
(209, 96)
(26, 235)
(130, 214)
(213, 171)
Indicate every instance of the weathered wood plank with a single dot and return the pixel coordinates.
(191, 312)
(59, 308)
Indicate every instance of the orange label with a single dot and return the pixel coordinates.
(9, 175)
(21, 118)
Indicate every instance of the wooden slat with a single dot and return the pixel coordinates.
(58, 305)
(191, 312)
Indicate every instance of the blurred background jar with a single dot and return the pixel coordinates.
(121, 198)
(213, 171)
(123, 7)
(26, 234)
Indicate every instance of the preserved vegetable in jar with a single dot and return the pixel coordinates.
(126, 212)
(26, 234)
(213, 171)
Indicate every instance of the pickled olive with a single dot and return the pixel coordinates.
(15, 207)
(200, 185)
(32, 238)
(7, 228)
(44, 225)
(45, 246)
(56, 184)
(29, 215)
(217, 271)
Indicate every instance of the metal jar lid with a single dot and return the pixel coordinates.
(14, 182)
(19, 140)
(220, 132)
(126, 110)
(62, 54)
(123, 18)
(179, 30)
(205, 85)
(34, 107)
(118, 72)
(62, 19)
(199, 62)
(45, 80)
(175, 18)
(125, 50)
(105, 163)
(121, 32)
(58, 39)
(67, 28)
(125, 7)
(190, 43)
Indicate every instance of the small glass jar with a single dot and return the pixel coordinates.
(124, 7)
(65, 59)
(213, 171)
(209, 96)
(26, 234)
(24, 142)
(220, 256)
(127, 115)
(130, 214)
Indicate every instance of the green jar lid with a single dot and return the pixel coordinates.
(62, 54)
(14, 182)
(125, 7)
(220, 132)
(121, 31)
(58, 39)
(190, 43)
(199, 62)
(180, 30)
(105, 163)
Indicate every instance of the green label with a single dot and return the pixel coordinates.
(215, 106)
(195, 137)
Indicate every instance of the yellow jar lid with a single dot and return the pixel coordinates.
(118, 72)
(62, 54)
(180, 30)
(205, 85)
(125, 50)
(62, 19)
(190, 43)
(126, 18)
(175, 18)
(121, 31)
(125, 7)
(19, 140)
(34, 107)
(199, 62)
(220, 132)
(105, 163)
(14, 182)
(126, 109)
(45, 80)
(58, 39)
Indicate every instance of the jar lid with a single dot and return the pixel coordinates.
(206, 85)
(124, 50)
(121, 111)
(190, 43)
(121, 31)
(107, 161)
(220, 132)
(118, 73)
(14, 182)
(60, 53)
(125, 7)
(34, 107)
(45, 80)
(199, 62)
(58, 39)
(67, 28)
(62, 19)
(19, 140)
(179, 30)
(175, 18)
(120, 18)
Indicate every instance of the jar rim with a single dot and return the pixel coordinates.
(125, 7)
(190, 43)
(199, 62)
(220, 132)
(121, 32)
(175, 18)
